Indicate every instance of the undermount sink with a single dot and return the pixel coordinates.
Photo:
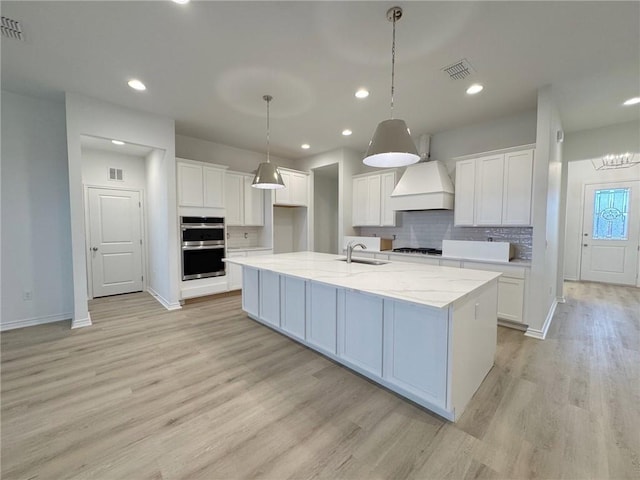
(364, 261)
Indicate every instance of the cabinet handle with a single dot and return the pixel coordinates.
(95, 249)
(585, 244)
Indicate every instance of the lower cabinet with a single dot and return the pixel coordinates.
(401, 345)
(234, 272)
(510, 298)
(270, 297)
(322, 317)
(293, 301)
(360, 331)
(250, 291)
(416, 350)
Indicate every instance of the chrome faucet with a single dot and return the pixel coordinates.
(350, 247)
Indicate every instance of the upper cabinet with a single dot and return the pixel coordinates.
(245, 204)
(296, 190)
(200, 184)
(494, 190)
(371, 192)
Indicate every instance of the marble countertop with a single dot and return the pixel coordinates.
(518, 262)
(246, 249)
(417, 283)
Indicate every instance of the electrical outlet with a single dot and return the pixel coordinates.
(27, 295)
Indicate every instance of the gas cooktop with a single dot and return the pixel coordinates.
(423, 251)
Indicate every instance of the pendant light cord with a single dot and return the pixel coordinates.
(267, 98)
(393, 62)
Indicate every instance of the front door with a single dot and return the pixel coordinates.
(610, 229)
(115, 241)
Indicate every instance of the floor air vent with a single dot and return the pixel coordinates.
(11, 28)
(459, 70)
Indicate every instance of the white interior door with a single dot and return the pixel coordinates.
(610, 229)
(115, 241)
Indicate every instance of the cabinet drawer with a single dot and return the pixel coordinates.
(508, 270)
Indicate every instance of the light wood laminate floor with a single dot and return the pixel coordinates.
(206, 393)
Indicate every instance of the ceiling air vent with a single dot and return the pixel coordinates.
(11, 29)
(459, 70)
(116, 174)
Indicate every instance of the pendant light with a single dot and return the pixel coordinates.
(391, 145)
(267, 175)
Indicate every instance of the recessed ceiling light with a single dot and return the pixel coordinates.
(362, 93)
(305, 146)
(181, 2)
(632, 101)
(137, 84)
(346, 132)
(117, 142)
(475, 88)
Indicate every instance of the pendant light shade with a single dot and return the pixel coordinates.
(267, 175)
(391, 144)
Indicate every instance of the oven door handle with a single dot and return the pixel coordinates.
(203, 247)
(202, 226)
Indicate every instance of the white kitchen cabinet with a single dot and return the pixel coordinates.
(489, 187)
(510, 298)
(200, 184)
(251, 291)
(296, 190)
(234, 272)
(245, 204)
(387, 184)
(293, 306)
(234, 198)
(253, 203)
(371, 194)
(415, 351)
(360, 196)
(321, 317)
(518, 175)
(190, 191)
(213, 184)
(463, 213)
(270, 297)
(511, 288)
(360, 331)
(494, 190)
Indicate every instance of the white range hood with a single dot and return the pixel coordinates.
(423, 186)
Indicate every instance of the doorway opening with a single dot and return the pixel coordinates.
(118, 182)
(325, 209)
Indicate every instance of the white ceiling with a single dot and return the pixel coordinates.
(207, 64)
(104, 144)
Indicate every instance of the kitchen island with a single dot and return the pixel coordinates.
(426, 332)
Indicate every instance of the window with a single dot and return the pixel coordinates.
(611, 214)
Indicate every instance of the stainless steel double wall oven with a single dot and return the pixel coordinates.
(203, 247)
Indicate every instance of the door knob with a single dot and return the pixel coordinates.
(95, 249)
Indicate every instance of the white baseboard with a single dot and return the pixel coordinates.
(83, 322)
(30, 322)
(561, 299)
(164, 302)
(542, 333)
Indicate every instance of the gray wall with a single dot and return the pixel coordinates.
(36, 231)
(325, 212)
(236, 159)
(586, 144)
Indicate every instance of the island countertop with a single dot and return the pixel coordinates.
(428, 285)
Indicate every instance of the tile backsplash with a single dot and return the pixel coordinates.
(236, 237)
(428, 228)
